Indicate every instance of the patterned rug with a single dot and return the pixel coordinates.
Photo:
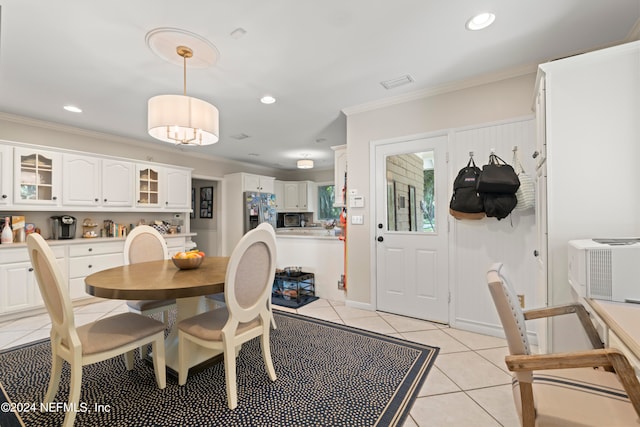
(328, 375)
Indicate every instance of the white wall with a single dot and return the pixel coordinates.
(476, 105)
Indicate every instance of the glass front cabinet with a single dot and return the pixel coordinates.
(36, 177)
(147, 185)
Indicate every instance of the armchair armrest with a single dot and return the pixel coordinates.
(578, 309)
(605, 357)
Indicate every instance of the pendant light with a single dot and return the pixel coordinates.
(181, 119)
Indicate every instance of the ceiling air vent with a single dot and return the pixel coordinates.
(398, 81)
(240, 136)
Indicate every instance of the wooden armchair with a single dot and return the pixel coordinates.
(595, 387)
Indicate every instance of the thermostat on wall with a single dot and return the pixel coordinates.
(356, 201)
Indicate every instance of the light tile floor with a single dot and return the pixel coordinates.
(468, 385)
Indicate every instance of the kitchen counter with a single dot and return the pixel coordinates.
(82, 240)
(307, 232)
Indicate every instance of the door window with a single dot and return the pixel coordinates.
(410, 192)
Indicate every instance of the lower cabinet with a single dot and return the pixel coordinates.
(18, 286)
(86, 259)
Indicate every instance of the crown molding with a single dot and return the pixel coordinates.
(43, 124)
(444, 88)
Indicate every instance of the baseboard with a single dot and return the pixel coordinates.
(360, 305)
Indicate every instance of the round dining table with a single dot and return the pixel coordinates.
(163, 280)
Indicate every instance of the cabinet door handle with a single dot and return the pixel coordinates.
(535, 154)
(536, 253)
(54, 198)
(90, 249)
(30, 269)
(4, 196)
(105, 200)
(90, 266)
(96, 199)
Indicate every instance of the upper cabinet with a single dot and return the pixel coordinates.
(147, 185)
(278, 190)
(91, 181)
(259, 183)
(163, 187)
(178, 188)
(36, 177)
(299, 196)
(340, 174)
(5, 175)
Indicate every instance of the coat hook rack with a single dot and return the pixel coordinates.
(471, 154)
(515, 148)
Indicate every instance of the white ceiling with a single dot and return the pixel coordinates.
(316, 57)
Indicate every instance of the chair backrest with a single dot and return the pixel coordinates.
(268, 227)
(144, 244)
(53, 288)
(510, 313)
(250, 275)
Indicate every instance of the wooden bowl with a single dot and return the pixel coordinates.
(187, 263)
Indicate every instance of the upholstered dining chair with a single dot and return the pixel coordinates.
(596, 387)
(246, 315)
(145, 244)
(90, 343)
(219, 297)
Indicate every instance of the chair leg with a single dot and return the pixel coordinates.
(159, 363)
(266, 354)
(54, 379)
(128, 360)
(183, 370)
(230, 375)
(74, 392)
(273, 321)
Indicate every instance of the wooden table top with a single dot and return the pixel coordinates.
(158, 280)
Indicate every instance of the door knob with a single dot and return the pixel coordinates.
(536, 253)
(379, 225)
(380, 238)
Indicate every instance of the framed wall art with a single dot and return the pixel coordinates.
(206, 202)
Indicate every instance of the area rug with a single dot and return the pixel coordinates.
(328, 375)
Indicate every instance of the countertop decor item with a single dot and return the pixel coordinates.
(187, 263)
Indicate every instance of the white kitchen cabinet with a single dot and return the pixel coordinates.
(278, 190)
(158, 186)
(5, 175)
(299, 196)
(92, 181)
(18, 287)
(88, 258)
(147, 185)
(178, 188)
(587, 111)
(259, 183)
(36, 177)
(339, 172)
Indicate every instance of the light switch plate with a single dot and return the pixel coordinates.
(356, 201)
(357, 219)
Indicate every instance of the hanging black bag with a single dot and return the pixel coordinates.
(466, 203)
(499, 205)
(498, 177)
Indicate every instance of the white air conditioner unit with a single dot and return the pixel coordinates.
(606, 269)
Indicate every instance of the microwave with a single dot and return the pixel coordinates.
(292, 220)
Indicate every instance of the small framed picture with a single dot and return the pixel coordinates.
(206, 202)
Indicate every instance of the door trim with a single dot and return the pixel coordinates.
(373, 145)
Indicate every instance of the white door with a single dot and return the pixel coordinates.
(412, 228)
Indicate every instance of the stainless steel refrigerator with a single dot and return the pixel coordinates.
(258, 208)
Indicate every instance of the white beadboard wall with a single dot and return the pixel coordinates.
(478, 244)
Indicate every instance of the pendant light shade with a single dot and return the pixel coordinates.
(182, 119)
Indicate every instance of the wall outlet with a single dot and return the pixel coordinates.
(521, 299)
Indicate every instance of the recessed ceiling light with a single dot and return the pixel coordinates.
(267, 99)
(72, 109)
(480, 21)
